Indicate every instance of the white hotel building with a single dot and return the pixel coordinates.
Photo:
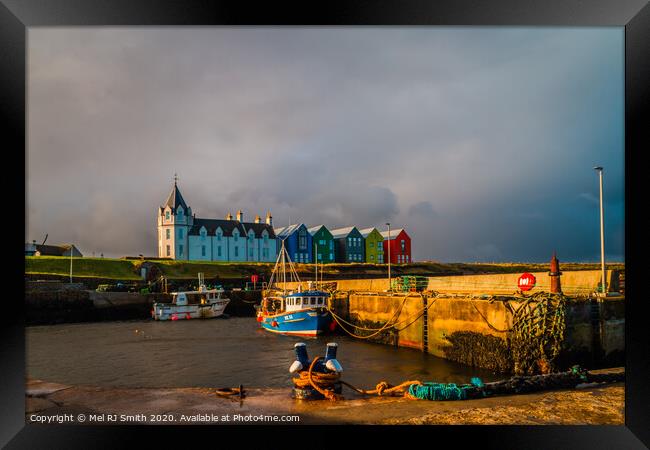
(183, 236)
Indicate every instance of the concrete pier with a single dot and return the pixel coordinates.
(468, 319)
(474, 331)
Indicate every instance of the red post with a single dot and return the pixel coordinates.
(556, 287)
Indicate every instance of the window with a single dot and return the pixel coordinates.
(180, 213)
(313, 300)
(403, 244)
(203, 250)
(322, 242)
(203, 232)
(295, 256)
(168, 233)
(331, 255)
(236, 251)
(236, 236)
(302, 239)
(218, 235)
(319, 257)
(180, 250)
(251, 236)
(372, 257)
(180, 233)
(331, 245)
(250, 252)
(166, 215)
(168, 251)
(219, 251)
(371, 244)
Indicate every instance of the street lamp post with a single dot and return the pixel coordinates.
(389, 286)
(70, 263)
(602, 232)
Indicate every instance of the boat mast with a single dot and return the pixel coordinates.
(284, 272)
(316, 261)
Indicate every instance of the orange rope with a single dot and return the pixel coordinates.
(324, 384)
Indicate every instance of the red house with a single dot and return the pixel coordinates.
(400, 246)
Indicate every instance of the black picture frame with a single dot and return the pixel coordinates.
(17, 15)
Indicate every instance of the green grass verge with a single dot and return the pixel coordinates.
(128, 269)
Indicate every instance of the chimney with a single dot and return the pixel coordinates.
(240, 216)
(228, 216)
(258, 219)
(269, 218)
(556, 287)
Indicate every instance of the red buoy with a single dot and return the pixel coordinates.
(259, 318)
(274, 323)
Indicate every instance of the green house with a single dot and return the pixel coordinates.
(374, 246)
(324, 243)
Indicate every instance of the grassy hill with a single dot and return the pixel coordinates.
(129, 269)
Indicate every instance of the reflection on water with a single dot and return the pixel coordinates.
(213, 353)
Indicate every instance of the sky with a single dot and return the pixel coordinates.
(479, 141)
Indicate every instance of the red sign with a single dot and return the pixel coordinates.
(526, 281)
(255, 278)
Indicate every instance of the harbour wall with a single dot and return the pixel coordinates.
(68, 305)
(579, 282)
(475, 331)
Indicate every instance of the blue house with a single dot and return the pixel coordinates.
(349, 245)
(298, 242)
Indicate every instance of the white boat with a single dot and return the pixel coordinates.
(202, 304)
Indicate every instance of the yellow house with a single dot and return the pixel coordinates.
(374, 246)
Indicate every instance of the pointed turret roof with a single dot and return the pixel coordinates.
(175, 198)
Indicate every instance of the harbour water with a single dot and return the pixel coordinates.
(213, 353)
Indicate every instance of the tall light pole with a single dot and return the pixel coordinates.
(70, 263)
(602, 232)
(389, 287)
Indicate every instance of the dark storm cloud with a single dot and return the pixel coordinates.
(498, 128)
(422, 209)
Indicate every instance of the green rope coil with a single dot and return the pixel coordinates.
(444, 391)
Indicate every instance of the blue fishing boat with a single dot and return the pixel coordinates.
(300, 313)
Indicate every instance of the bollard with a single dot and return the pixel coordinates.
(327, 365)
(331, 363)
(302, 359)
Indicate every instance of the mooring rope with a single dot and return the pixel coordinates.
(325, 383)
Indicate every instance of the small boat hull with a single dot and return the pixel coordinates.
(168, 311)
(307, 322)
